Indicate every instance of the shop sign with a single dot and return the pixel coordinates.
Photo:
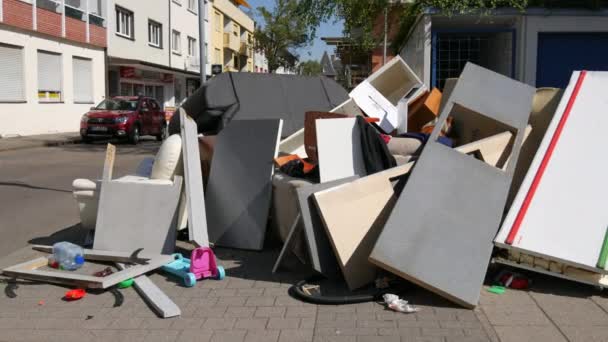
(127, 72)
(216, 69)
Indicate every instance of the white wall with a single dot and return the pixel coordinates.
(534, 25)
(33, 117)
(139, 49)
(186, 22)
(417, 51)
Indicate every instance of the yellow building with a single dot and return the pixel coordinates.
(231, 36)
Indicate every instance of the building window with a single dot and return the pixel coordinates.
(217, 21)
(235, 61)
(82, 72)
(192, 47)
(11, 68)
(235, 30)
(124, 23)
(49, 77)
(126, 89)
(176, 42)
(192, 5)
(155, 34)
(218, 56)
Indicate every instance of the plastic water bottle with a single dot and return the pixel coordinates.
(68, 255)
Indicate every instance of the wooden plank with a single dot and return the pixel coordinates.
(98, 255)
(155, 297)
(239, 189)
(195, 194)
(134, 215)
(339, 149)
(108, 164)
(29, 270)
(566, 183)
(322, 257)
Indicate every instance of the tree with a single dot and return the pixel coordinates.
(310, 68)
(359, 15)
(283, 32)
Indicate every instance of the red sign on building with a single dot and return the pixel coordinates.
(127, 72)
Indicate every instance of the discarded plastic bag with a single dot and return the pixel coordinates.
(394, 303)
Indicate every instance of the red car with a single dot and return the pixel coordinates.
(125, 117)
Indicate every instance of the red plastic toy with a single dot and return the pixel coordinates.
(75, 294)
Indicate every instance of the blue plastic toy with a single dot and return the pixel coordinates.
(202, 265)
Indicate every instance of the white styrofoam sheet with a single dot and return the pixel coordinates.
(567, 217)
(339, 149)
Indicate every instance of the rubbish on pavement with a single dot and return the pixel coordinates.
(125, 283)
(497, 289)
(193, 178)
(201, 265)
(310, 132)
(242, 169)
(566, 179)
(394, 303)
(380, 93)
(254, 96)
(154, 297)
(424, 110)
(448, 243)
(67, 255)
(75, 294)
(340, 151)
(32, 270)
(104, 273)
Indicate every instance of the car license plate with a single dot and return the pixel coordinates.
(98, 129)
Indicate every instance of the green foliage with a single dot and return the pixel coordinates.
(310, 68)
(282, 31)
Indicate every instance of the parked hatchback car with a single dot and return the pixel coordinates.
(125, 117)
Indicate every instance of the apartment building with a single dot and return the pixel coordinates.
(51, 64)
(231, 36)
(153, 49)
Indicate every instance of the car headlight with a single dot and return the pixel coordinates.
(121, 119)
(85, 118)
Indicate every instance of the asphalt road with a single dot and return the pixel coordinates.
(36, 187)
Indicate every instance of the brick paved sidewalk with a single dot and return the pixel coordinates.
(251, 304)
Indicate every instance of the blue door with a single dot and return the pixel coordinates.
(561, 53)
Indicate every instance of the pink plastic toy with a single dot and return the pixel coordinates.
(203, 264)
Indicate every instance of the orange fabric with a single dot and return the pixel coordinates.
(280, 161)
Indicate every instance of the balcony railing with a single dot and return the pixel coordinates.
(231, 42)
(246, 49)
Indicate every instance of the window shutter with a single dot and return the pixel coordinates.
(82, 70)
(49, 71)
(11, 69)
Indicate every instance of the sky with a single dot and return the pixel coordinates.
(314, 51)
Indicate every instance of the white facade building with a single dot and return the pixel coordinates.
(52, 64)
(260, 63)
(153, 49)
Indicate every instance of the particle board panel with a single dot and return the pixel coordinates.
(136, 215)
(240, 183)
(30, 270)
(193, 179)
(154, 296)
(337, 204)
(566, 182)
(339, 149)
(322, 257)
(440, 231)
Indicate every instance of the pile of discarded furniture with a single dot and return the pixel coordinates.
(394, 177)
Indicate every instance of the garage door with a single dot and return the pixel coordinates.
(561, 53)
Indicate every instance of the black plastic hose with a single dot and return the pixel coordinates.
(296, 291)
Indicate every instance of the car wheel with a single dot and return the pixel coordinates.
(134, 135)
(163, 133)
